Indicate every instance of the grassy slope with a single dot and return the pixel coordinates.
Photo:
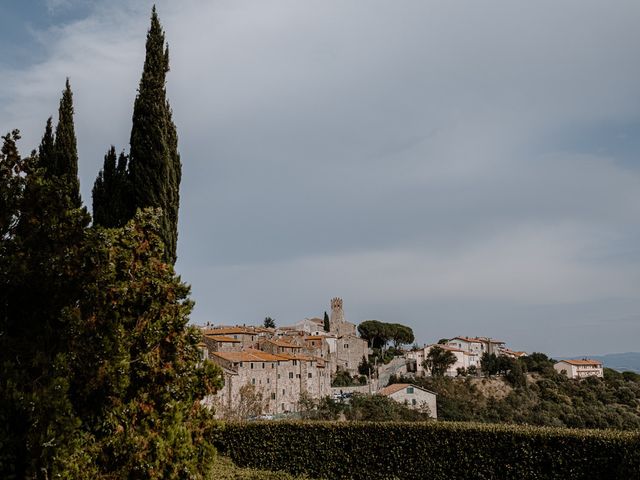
(224, 469)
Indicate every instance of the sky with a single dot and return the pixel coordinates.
(464, 168)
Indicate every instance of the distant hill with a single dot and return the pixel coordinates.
(619, 361)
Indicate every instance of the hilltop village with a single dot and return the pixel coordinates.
(279, 367)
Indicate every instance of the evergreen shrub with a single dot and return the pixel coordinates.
(362, 450)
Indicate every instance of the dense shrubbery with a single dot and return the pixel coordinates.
(544, 397)
(432, 450)
(360, 407)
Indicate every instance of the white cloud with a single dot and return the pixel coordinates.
(404, 157)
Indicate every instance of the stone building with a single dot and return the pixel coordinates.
(221, 343)
(285, 362)
(280, 380)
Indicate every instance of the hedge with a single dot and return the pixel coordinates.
(432, 450)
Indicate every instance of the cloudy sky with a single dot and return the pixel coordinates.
(466, 168)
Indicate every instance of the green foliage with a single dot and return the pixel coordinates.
(65, 150)
(112, 202)
(539, 363)
(438, 361)
(547, 400)
(360, 406)
(224, 469)
(435, 450)
(378, 408)
(100, 377)
(343, 378)
(269, 323)
(378, 334)
(139, 377)
(327, 324)
(40, 274)
(365, 368)
(154, 162)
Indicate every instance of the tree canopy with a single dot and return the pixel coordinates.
(378, 333)
(438, 361)
(150, 175)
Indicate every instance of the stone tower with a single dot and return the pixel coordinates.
(337, 324)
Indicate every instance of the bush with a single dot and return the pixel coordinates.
(431, 450)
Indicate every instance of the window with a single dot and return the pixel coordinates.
(262, 364)
(240, 363)
(310, 376)
(253, 381)
(273, 365)
(346, 345)
(273, 396)
(283, 394)
(251, 364)
(409, 389)
(290, 374)
(295, 362)
(297, 375)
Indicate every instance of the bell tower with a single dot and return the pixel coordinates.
(337, 315)
(337, 324)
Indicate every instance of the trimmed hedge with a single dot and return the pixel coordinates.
(432, 450)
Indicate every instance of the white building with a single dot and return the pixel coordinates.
(477, 345)
(464, 359)
(412, 396)
(579, 368)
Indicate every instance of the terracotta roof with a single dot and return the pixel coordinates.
(512, 352)
(448, 347)
(391, 389)
(396, 387)
(231, 331)
(249, 355)
(281, 343)
(314, 337)
(583, 362)
(477, 339)
(222, 338)
(291, 356)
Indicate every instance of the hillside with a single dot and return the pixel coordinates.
(545, 398)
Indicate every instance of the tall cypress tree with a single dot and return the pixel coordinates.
(46, 152)
(154, 162)
(65, 150)
(111, 192)
(39, 284)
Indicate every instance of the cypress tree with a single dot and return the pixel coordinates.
(46, 152)
(154, 162)
(111, 192)
(65, 163)
(327, 325)
(40, 262)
